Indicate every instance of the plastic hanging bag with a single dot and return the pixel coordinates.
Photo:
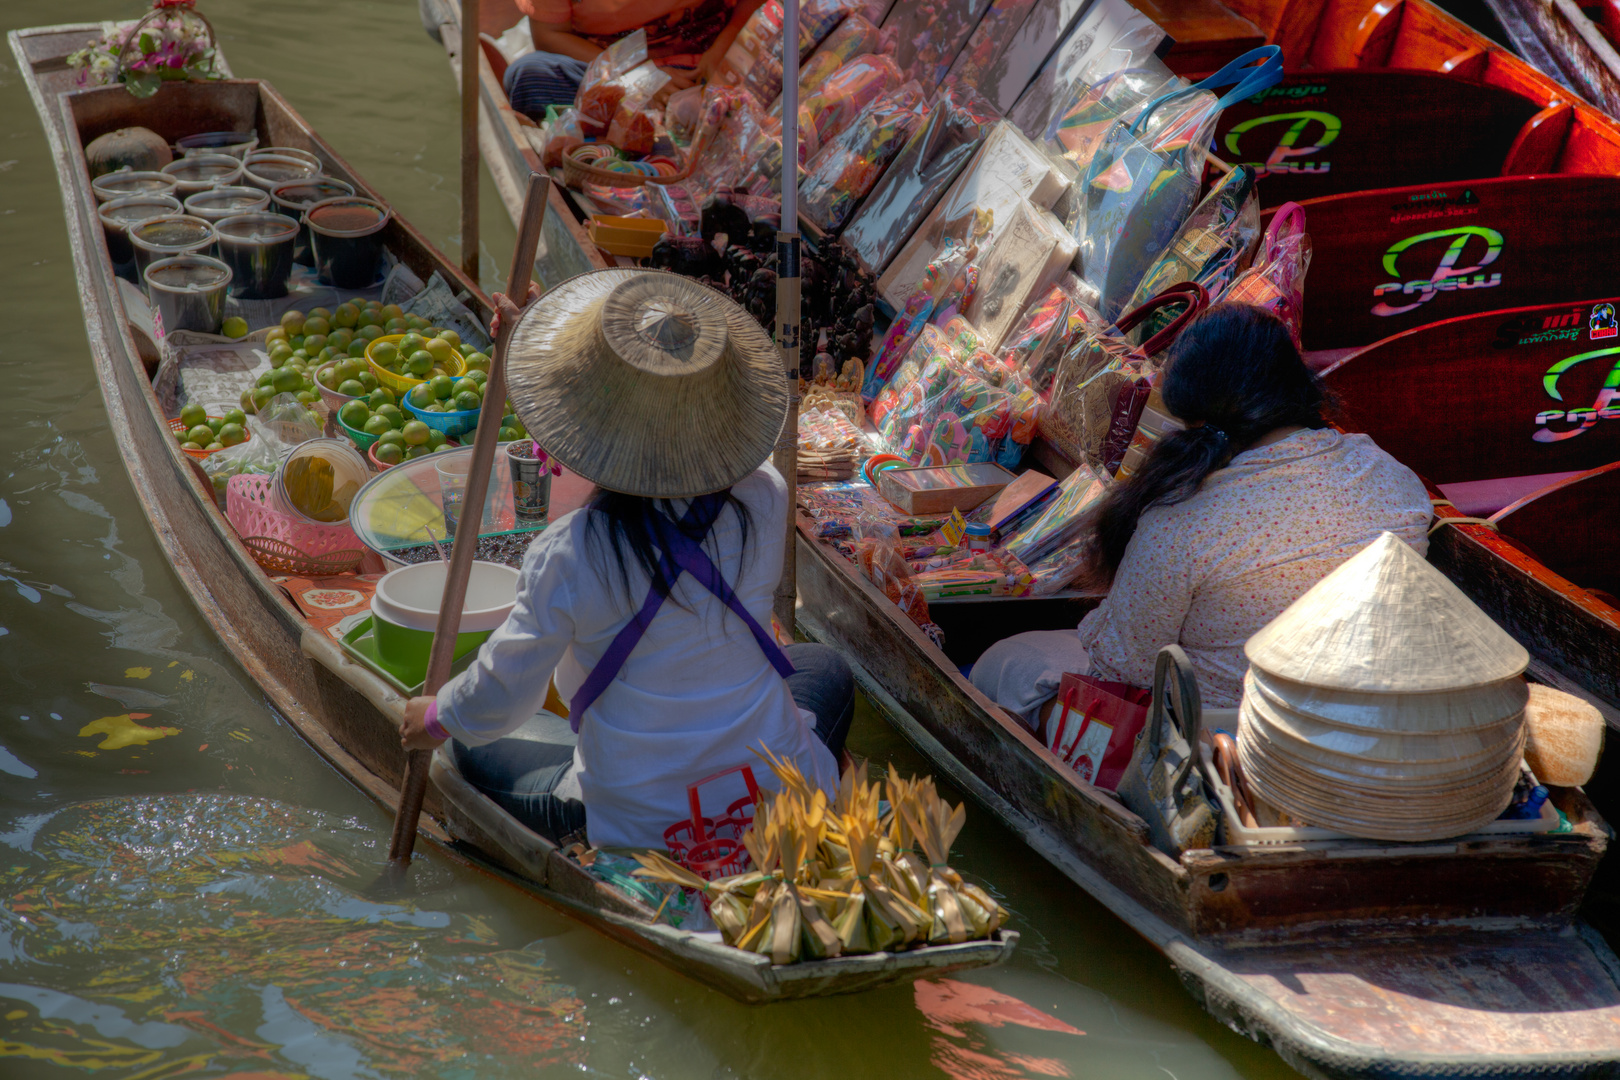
(1143, 180)
(1111, 36)
(908, 324)
(1102, 368)
(1212, 247)
(1078, 129)
(283, 423)
(919, 176)
(854, 37)
(560, 136)
(844, 170)
(1276, 281)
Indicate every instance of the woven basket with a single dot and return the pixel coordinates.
(281, 544)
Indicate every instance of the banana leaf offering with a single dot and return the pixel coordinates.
(858, 874)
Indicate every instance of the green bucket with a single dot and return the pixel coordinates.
(405, 611)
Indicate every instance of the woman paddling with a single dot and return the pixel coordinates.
(1225, 524)
(651, 606)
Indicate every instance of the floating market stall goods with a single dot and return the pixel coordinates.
(326, 418)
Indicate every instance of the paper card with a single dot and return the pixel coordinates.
(1017, 497)
(953, 528)
(1110, 36)
(1026, 261)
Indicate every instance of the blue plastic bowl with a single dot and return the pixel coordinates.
(453, 424)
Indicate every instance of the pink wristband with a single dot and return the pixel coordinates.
(430, 721)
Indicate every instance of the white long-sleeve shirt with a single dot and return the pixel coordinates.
(1209, 572)
(696, 695)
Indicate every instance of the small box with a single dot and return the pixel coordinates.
(633, 237)
(939, 489)
(1023, 496)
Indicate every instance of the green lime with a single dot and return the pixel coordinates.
(442, 386)
(466, 386)
(476, 361)
(308, 397)
(467, 401)
(351, 388)
(192, 415)
(319, 322)
(202, 435)
(235, 416)
(231, 434)
(439, 349)
(385, 353)
(415, 452)
(415, 432)
(436, 438)
(314, 343)
(274, 334)
(234, 327)
(215, 445)
(189, 445)
(328, 377)
(349, 368)
(346, 315)
(355, 414)
(357, 347)
(262, 396)
(421, 396)
(381, 396)
(441, 446)
(292, 321)
(393, 437)
(247, 401)
(279, 353)
(451, 336)
(286, 380)
(388, 453)
(392, 311)
(372, 332)
(215, 423)
(506, 434)
(377, 425)
(420, 363)
(340, 337)
(396, 326)
(478, 377)
(368, 380)
(395, 416)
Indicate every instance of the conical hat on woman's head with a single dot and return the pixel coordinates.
(1386, 622)
(647, 383)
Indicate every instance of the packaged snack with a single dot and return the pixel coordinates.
(754, 60)
(599, 94)
(844, 170)
(933, 158)
(561, 135)
(854, 36)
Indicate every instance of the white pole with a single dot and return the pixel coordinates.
(787, 305)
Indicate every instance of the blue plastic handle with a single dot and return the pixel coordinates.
(1249, 80)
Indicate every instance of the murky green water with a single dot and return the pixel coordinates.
(193, 905)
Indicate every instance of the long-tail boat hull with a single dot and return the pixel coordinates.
(344, 711)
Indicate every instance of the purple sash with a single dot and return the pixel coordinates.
(678, 553)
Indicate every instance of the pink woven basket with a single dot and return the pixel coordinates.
(282, 544)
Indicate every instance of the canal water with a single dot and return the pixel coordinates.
(197, 904)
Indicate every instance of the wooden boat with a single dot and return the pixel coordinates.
(1506, 414)
(1560, 38)
(343, 710)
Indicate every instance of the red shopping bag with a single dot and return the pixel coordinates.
(1094, 728)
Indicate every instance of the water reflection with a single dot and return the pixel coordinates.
(216, 933)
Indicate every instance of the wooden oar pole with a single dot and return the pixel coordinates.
(787, 308)
(471, 54)
(470, 518)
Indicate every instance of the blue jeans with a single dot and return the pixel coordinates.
(539, 79)
(528, 773)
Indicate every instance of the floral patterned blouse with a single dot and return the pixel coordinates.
(1209, 572)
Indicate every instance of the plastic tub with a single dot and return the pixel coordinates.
(294, 198)
(217, 204)
(268, 172)
(199, 172)
(631, 237)
(234, 143)
(348, 467)
(126, 182)
(187, 293)
(402, 384)
(259, 250)
(346, 239)
(166, 237)
(453, 424)
(405, 612)
(119, 215)
(286, 152)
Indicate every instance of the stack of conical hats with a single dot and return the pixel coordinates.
(1384, 704)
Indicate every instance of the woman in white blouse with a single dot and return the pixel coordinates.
(651, 606)
(1225, 524)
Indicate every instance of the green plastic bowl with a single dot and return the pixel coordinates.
(361, 440)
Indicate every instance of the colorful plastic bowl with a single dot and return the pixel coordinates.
(453, 424)
(402, 384)
(176, 426)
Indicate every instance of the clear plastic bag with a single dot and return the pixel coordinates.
(837, 102)
(597, 100)
(1078, 129)
(561, 135)
(1036, 344)
(854, 37)
(754, 60)
(1212, 247)
(1276, 281)
(282, 424)
(683, 113)
(920, 174)
(844, 170)
(611, 107)
(1111, 36)
(908, 324)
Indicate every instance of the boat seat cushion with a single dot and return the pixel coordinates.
(1482, 498)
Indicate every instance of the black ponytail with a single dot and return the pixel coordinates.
(1234, 375)
(619, 534)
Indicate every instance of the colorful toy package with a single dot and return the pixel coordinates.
(1063, 520)
(919, 175)
(1049, 325)
(1213, 246)
(967, 573)
(1031, 253)
(605, 86)
(944, 272)
(930, 33)
(740, 140)
(837, 102)
(836, 507)
(1077, 130)
(754, 59)
(845, 169)
(855, 36)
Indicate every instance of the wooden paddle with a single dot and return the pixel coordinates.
(466, 545)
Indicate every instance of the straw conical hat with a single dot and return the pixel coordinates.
(1448, 710)
(1386, 622)
(647, 383)
(1307, 740)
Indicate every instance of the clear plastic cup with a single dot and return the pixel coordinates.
(219, 203)
(268, 172)
(125, 182)
(259, 250)
(164, 237)
(199, 172)
(188, 293)
(118, 215)
(294, 198)
(286, 152)
(346, 235)
(234, 143)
